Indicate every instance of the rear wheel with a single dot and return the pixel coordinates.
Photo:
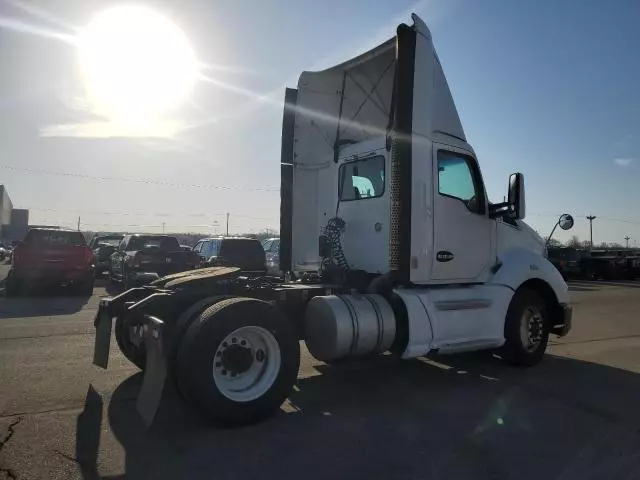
(238, 361)
(526, 329)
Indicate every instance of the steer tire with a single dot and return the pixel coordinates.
(197, 356)
(514, 351)
(135, 354)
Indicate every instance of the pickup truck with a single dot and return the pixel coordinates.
(48, 257)
(140, 259)
(103, 247)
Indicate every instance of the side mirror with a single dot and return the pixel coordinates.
(565, 222)
(516, 196)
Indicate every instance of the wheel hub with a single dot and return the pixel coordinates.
(246, 363)
(237, 359)
(531, 328)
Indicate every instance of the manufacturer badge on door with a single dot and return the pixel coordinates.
(168, 259)
(444, 256)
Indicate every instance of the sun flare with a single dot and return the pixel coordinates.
(136, 65)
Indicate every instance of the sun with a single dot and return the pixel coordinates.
(136, 65)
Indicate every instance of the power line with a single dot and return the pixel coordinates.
(146, 181)
(155, 214)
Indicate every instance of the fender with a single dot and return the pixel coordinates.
(517, 265)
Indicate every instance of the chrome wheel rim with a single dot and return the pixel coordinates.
(246, 363)
(531, 328)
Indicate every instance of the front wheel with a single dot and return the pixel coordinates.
(526, 329)
(238, 361)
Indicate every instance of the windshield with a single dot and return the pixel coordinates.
(162, 243)
(54, 237)
(110, 241)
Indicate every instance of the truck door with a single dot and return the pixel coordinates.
(463, 232)
(364, 206)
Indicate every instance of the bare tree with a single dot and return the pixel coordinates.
(574, 242)
(553, 242)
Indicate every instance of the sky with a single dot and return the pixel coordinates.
(546, 88)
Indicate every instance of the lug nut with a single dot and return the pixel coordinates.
(225, 344)
(218, 364)
(218, 354)
(224, 372)
(243, 342)
(234, 340)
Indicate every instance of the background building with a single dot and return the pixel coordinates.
(19, 224)
(14, 222)
(5, 211)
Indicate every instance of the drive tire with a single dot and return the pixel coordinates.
(200, 346)
(180, 329)
(525, 305)
(136, 355)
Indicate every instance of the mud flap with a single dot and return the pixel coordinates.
(155, 372)
(103, 323)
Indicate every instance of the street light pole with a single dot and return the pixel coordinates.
(627, 238)
(591, 218)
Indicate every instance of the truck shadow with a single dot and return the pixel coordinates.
(459, 417)
(49, 302)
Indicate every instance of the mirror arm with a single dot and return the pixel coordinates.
(499, 210)
(546, 244)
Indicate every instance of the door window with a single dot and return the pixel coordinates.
(198, 247)
(458, 178)
(361, 179)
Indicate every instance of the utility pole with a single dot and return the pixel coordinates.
(627, 238)
(227, 224)
(162, 227)
(78, 223)
(591, 218)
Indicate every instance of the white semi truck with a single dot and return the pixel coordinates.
(388, 241)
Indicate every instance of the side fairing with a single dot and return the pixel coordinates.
(517, 265)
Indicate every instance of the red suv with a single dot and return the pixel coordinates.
(48, 257)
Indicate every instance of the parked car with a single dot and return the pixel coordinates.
(140, 259)
(613, 265)
(103, 247)
(242, 252)
(3, 252)
(49, 257)
(271, 248)
(567, 260)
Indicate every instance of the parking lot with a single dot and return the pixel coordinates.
(575, 416)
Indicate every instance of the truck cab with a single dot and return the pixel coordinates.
(380, 181)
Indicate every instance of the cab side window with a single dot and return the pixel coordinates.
(459, 178)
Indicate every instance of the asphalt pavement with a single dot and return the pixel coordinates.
(574, 416)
